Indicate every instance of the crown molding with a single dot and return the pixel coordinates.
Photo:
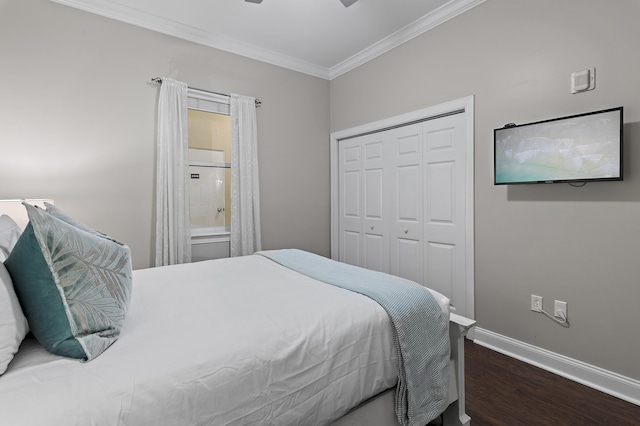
(123, 13)
(439, 16)
(162, 25)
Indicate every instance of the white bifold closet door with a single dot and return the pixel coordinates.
(365, 221)
(402, 203)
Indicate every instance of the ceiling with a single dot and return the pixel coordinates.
(317, 37)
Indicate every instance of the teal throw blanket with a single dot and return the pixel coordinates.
(421, 329)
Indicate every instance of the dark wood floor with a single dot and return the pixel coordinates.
(505, 391)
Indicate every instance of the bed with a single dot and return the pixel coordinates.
(246, 340)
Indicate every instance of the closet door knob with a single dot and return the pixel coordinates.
(406, 231)
(372, 227)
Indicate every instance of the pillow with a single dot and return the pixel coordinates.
(9, 234)
(13, 324)
(56, 212)
(74, 287)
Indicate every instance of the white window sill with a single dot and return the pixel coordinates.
(209, 234)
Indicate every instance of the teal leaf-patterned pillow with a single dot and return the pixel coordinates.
(56, 212)
(74, 286)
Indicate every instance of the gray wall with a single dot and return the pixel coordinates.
(77, 123)
(580, 245)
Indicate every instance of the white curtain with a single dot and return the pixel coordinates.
(245, 192)
(173, 227)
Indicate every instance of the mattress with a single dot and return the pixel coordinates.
(225, 342)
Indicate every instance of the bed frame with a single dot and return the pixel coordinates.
(380, 411)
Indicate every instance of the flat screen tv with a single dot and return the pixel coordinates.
(578, 148)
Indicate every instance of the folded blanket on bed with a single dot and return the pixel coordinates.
(421, 330)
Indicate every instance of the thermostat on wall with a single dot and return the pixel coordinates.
(582, 81)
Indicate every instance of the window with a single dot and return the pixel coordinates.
(209, 163)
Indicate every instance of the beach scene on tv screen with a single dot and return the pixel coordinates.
(576, 148)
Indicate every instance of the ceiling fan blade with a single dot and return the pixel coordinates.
(346, 3)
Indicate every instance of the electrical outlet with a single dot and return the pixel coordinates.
(560, 309)
(536, 303)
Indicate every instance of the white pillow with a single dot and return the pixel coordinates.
(13, 324)
(9, 234)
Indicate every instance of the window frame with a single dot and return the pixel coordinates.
(215, 103)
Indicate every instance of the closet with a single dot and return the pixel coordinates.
(402, 203)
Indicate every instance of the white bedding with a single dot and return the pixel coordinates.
(232, 341)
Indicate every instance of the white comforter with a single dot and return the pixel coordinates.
(233, 341)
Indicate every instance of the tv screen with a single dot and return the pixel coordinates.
(578, 148)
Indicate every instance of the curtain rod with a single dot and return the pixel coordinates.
(158, 80)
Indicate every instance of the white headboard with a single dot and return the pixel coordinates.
(16, 211)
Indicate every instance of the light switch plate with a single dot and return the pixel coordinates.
(581, 81)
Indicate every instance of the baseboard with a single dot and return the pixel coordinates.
(605, 381)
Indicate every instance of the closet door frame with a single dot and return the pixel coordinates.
(465, 104)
